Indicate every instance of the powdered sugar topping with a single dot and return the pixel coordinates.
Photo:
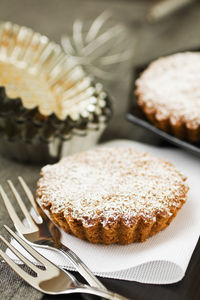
(171, 85)
(111, 183)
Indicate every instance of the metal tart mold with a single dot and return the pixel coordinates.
(49, 106)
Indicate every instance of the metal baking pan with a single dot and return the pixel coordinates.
(49, 106)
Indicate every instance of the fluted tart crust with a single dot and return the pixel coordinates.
(169, 95)
(112, 195)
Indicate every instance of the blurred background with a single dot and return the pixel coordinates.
(148, 39)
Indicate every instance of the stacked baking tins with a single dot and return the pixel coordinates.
(49, 106)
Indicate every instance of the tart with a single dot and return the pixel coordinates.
(169, 95)
(112, 195)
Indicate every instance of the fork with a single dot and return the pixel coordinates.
(43, 233)
(52, 280)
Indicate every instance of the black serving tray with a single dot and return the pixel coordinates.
(136, 116)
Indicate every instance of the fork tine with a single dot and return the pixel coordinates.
(32, 252)
(24, 275)
(29, 196)
(21, 257)
(11, 211)
(21, 204)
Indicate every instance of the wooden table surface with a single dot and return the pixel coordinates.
(54, 18)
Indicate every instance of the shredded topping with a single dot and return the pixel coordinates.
(110, 184)
(171, 86)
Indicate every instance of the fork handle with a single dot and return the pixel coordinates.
(99, 292)
(81, 267)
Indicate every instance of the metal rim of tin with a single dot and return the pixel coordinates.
(32, 52)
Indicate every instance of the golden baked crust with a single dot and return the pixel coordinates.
(112, 195)
(168, 94)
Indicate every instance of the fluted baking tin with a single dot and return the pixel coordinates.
(49, 106)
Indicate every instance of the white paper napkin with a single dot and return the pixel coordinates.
(162, 259)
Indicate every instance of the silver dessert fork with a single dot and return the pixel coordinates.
(42, 232)
(52, 280)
